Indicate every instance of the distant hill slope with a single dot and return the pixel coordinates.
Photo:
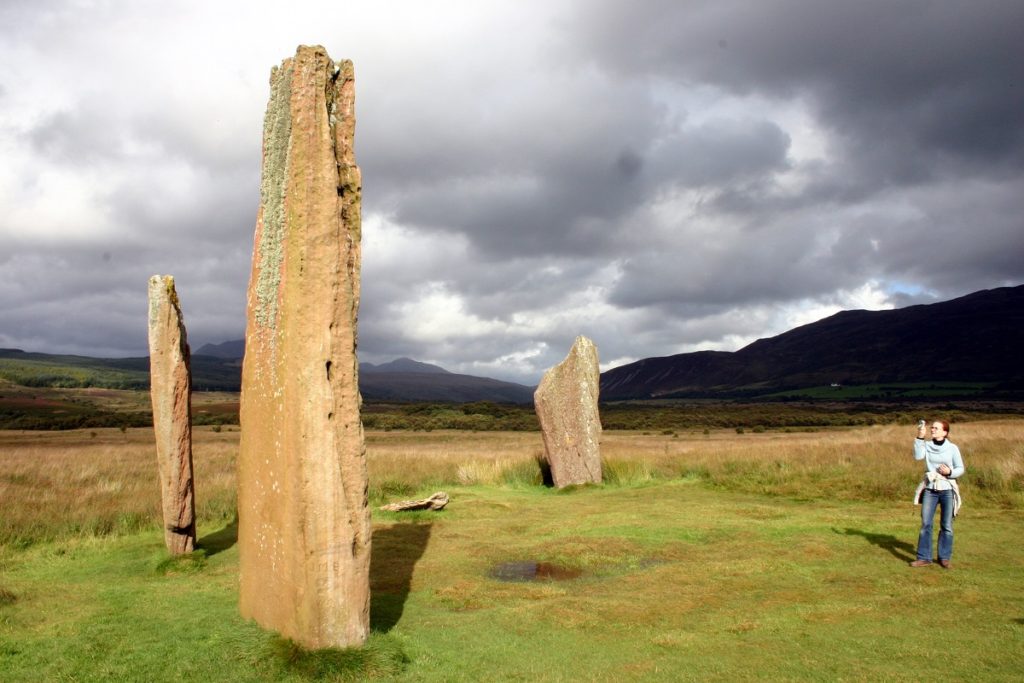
(403, 379)
(403, 365)
(46, 370)
(432, 386)
(229, 349)
(975, 338)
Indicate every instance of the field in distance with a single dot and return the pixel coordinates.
(49, 408)
(720, 556)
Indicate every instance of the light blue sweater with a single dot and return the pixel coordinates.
(935, 454)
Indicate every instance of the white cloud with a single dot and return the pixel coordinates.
(436, 316)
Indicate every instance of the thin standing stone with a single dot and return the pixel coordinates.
(171, 394)
(304, 518)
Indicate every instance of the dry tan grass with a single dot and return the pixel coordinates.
(101, 481)
(417, 459)
(866, 461)
(104, 480)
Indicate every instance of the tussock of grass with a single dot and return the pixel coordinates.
(621, 472)
(486, 472)
(7, 597)
(381, 656)
(390, 489)
(525, 473)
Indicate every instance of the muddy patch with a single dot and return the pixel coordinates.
(529, 570)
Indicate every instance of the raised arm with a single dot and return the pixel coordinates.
(919, 448)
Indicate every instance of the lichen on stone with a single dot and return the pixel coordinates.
(276, 134)
(154, 303)
(172, 293)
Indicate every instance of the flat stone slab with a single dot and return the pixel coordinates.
(435, 502)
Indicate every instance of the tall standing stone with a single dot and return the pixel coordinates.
(566, 405)
(304, 519)
(171, 393)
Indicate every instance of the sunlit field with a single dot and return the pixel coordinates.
(704, 556)
(88, 482)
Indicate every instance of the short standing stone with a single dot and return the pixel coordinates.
(171, 393)
(566, 405)
(304, 518)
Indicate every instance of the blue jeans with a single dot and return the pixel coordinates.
(929, 500)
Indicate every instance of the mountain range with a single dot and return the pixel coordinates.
(405, 379)
(973, 341)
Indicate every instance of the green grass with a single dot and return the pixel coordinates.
(679, 581)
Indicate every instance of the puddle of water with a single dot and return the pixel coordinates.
(533, 571)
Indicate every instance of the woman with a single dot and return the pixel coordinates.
(943, 465)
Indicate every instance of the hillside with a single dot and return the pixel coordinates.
(974, 339)
(402, 379)
(966, 347)
(45, 370)
(433, 386)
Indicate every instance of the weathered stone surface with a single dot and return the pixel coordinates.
(435, 502)
(566, 404)
(171, 393)
(304, 518)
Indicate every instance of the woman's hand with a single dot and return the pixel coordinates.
(944, 470)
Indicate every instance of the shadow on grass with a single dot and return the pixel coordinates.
(7, 597)
(219, 541)
(901, 550)
(546, 478)
(187, 563)
(394, 554)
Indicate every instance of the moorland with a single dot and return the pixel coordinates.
(768, 551)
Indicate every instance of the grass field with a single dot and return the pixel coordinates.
(725, 556)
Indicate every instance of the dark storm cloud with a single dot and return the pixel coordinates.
(89, 298)
(547, 183)
(919, 105)
(540, 175)
(912, 87)
(923, 105)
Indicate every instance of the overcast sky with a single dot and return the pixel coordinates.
(663, 176)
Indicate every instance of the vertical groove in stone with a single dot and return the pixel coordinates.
(566, 401)
(171, 394)
(304, 520)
